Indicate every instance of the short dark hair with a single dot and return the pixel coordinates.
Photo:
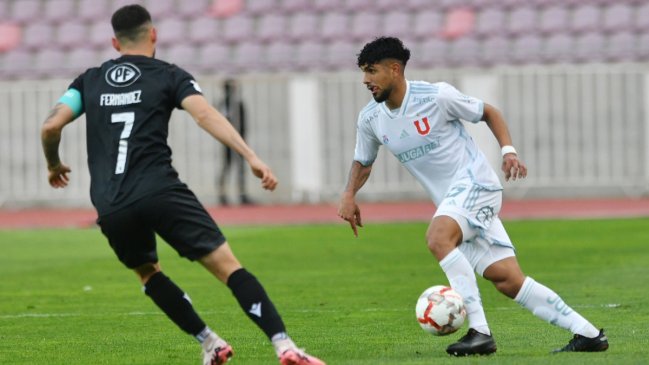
(383, 48)
(129, 21)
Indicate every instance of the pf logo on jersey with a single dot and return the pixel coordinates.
(123, 74)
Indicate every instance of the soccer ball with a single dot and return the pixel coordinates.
(440, 310)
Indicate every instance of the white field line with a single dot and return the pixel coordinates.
(156, 313)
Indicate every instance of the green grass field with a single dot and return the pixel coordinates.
(65, 299)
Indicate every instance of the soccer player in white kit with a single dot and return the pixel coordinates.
(419, 122)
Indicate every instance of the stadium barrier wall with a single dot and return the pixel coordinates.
(583, 130)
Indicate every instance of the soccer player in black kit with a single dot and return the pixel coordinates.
(137, 193)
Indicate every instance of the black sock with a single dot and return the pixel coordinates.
(255, 302)
(173, 301)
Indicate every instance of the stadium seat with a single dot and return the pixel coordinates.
(427, 23)
(260, 7)
(247, 57)
(420, 5)
(526, 49)
(193, 8)
(359, 5)
(432, 52)
(464, 52)
(26, 11)
(586, 18)
(225, 8)
(116, 4)
(294, 6)
(558, 48)
(302, 26)
(214, 57)
(204, 30)
(279, 56)
(308, 56)
(334, 25)
(51, 63)
(11, 36)
(271, 28)
(18, 64)
(160, 9)
(589, 47)
(458, 23)
(617, 18)
(171, 30)
(522, 21)
(37, 35)
(341, 55)
(238, 28)
(57, 11)
(71, 34)
(397, 24)
(641, 23)
(365, 26)
(642, 47)
(323, 6)
(80, 59)
(553, 19)
(495, 51)
(93, 10)
(100, 35)
(181, 54)
(621, 47)
(490, 22)
(4, 10)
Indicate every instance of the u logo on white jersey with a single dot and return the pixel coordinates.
(423, 131)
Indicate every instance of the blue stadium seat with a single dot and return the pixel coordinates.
(490, 22)
(18, 64)
(526, 49)
(93, 10)
(621, 47)
(589, 47)
(260, 7)
(341, 55)
(279, 56)
(160, 9)
(495, 51)
(427, 23)
(586, 18)
(464, 51)
(214, 57)
(247, 57)
(294, 6)
(192, 9)
(171, 30)
(397, 23)
(558, 48)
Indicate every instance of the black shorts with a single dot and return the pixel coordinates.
(175, 215)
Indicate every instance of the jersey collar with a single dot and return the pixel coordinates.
(404, 105)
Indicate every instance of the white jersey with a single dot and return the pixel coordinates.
(427, 137)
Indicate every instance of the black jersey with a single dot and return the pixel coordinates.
(128, 102)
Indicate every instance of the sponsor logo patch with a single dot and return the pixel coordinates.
(123, 74)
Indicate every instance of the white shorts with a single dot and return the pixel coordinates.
(475, 209)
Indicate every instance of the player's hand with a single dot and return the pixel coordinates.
(513, 167)
(349, 211)
(58, 175)
(262, 171)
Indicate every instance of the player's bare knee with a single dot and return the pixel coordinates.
(146, 271)
(509, 286)
(439, 246)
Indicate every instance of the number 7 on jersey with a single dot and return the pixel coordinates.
(127, 118)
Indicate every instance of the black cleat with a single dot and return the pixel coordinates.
(580, 343)
(473, 343)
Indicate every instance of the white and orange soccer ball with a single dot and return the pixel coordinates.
(440, 310)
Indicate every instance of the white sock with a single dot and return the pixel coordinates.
(281, 342)
(548, 305)
(460, 275)
(204, 334)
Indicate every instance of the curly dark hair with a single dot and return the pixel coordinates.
(383, 48)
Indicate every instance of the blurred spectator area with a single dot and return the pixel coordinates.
(60, 38)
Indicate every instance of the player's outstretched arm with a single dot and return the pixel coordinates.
(220, 128)
(512, 166)
(59, 117)
(348, 209)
